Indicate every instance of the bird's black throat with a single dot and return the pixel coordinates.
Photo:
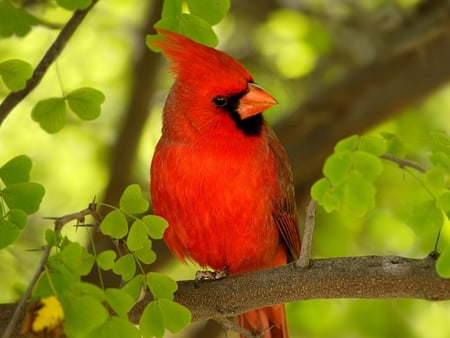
(251, 126)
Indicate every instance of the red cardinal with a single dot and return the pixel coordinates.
(219, 174)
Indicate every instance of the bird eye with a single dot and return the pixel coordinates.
(220, 101)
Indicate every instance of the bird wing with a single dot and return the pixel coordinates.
(284, 213)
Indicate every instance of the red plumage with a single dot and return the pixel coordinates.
(219, 174)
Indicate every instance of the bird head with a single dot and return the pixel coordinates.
(213, 89)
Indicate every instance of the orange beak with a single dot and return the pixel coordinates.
(255, 101)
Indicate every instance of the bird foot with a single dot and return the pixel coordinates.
(210, 275)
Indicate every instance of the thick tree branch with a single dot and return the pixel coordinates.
(367, 277)
(14, 98)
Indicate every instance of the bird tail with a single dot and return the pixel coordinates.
(271, 320)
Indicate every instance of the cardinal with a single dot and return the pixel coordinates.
(219, 174)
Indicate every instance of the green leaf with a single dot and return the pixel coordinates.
(211, 11)
(16, 170)
(443, 263)
(436, 177)
(161, 286)
(137, 236)
(18, 218)
(146, 255)
(52, 238)
(347, 144)
(441, 159)
(132, 200)
(155, 226)
(324, 194)
(337, 167)
(23, 196)
(189, 25)
(14, 20)
(15, 73)
(444, 201)
(73, 5)
(172, 8)
(105, 259)
(368, 165)
(135, 287)
(8, 233)
(50, 114)
(87, 289)
(120, 301)
(425, 218)
(86, 103)
(359, 195)
(77, 259)
(82, 315)
(152, 323)
(115, 327)
(115, 224)
(373, 145)
(125, 267)
(176, 315)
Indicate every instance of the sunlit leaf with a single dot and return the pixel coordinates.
(137, 236)
(337, 166)
(146, 255)
(8, 233)
(152, 323)
(16, 170)
(373, 145)
(120, 301)
(15, 73)
(443, 262)
(23, 196)
(425, 218)
(211, 11)
(155, 226)
(77, 259)
(359, 195)
(115, 327)
(82, 315)
(125, 267)
(132, 200)
(176, 315)
(135, 286)
(105, 259)
(161, 286)
(50, 114)
(191, 26)
(86, 102)
(115, 224)
(14, 20)
(347, 144)
(17, 217)
(367, 164)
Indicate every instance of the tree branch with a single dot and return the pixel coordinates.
(14, 98)
(367, 277)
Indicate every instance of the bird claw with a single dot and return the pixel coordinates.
(210, 275)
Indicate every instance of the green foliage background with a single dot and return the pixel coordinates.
(73, 164)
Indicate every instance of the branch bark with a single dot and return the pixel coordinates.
(367, 277)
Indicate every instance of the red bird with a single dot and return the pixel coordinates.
(219, 174)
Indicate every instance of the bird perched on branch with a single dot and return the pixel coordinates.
(219, 174)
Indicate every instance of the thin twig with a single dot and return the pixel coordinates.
(404, 163)
(305, 254)
(59, 222)
(50, 56)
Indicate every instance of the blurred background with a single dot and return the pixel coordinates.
(337, 67)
